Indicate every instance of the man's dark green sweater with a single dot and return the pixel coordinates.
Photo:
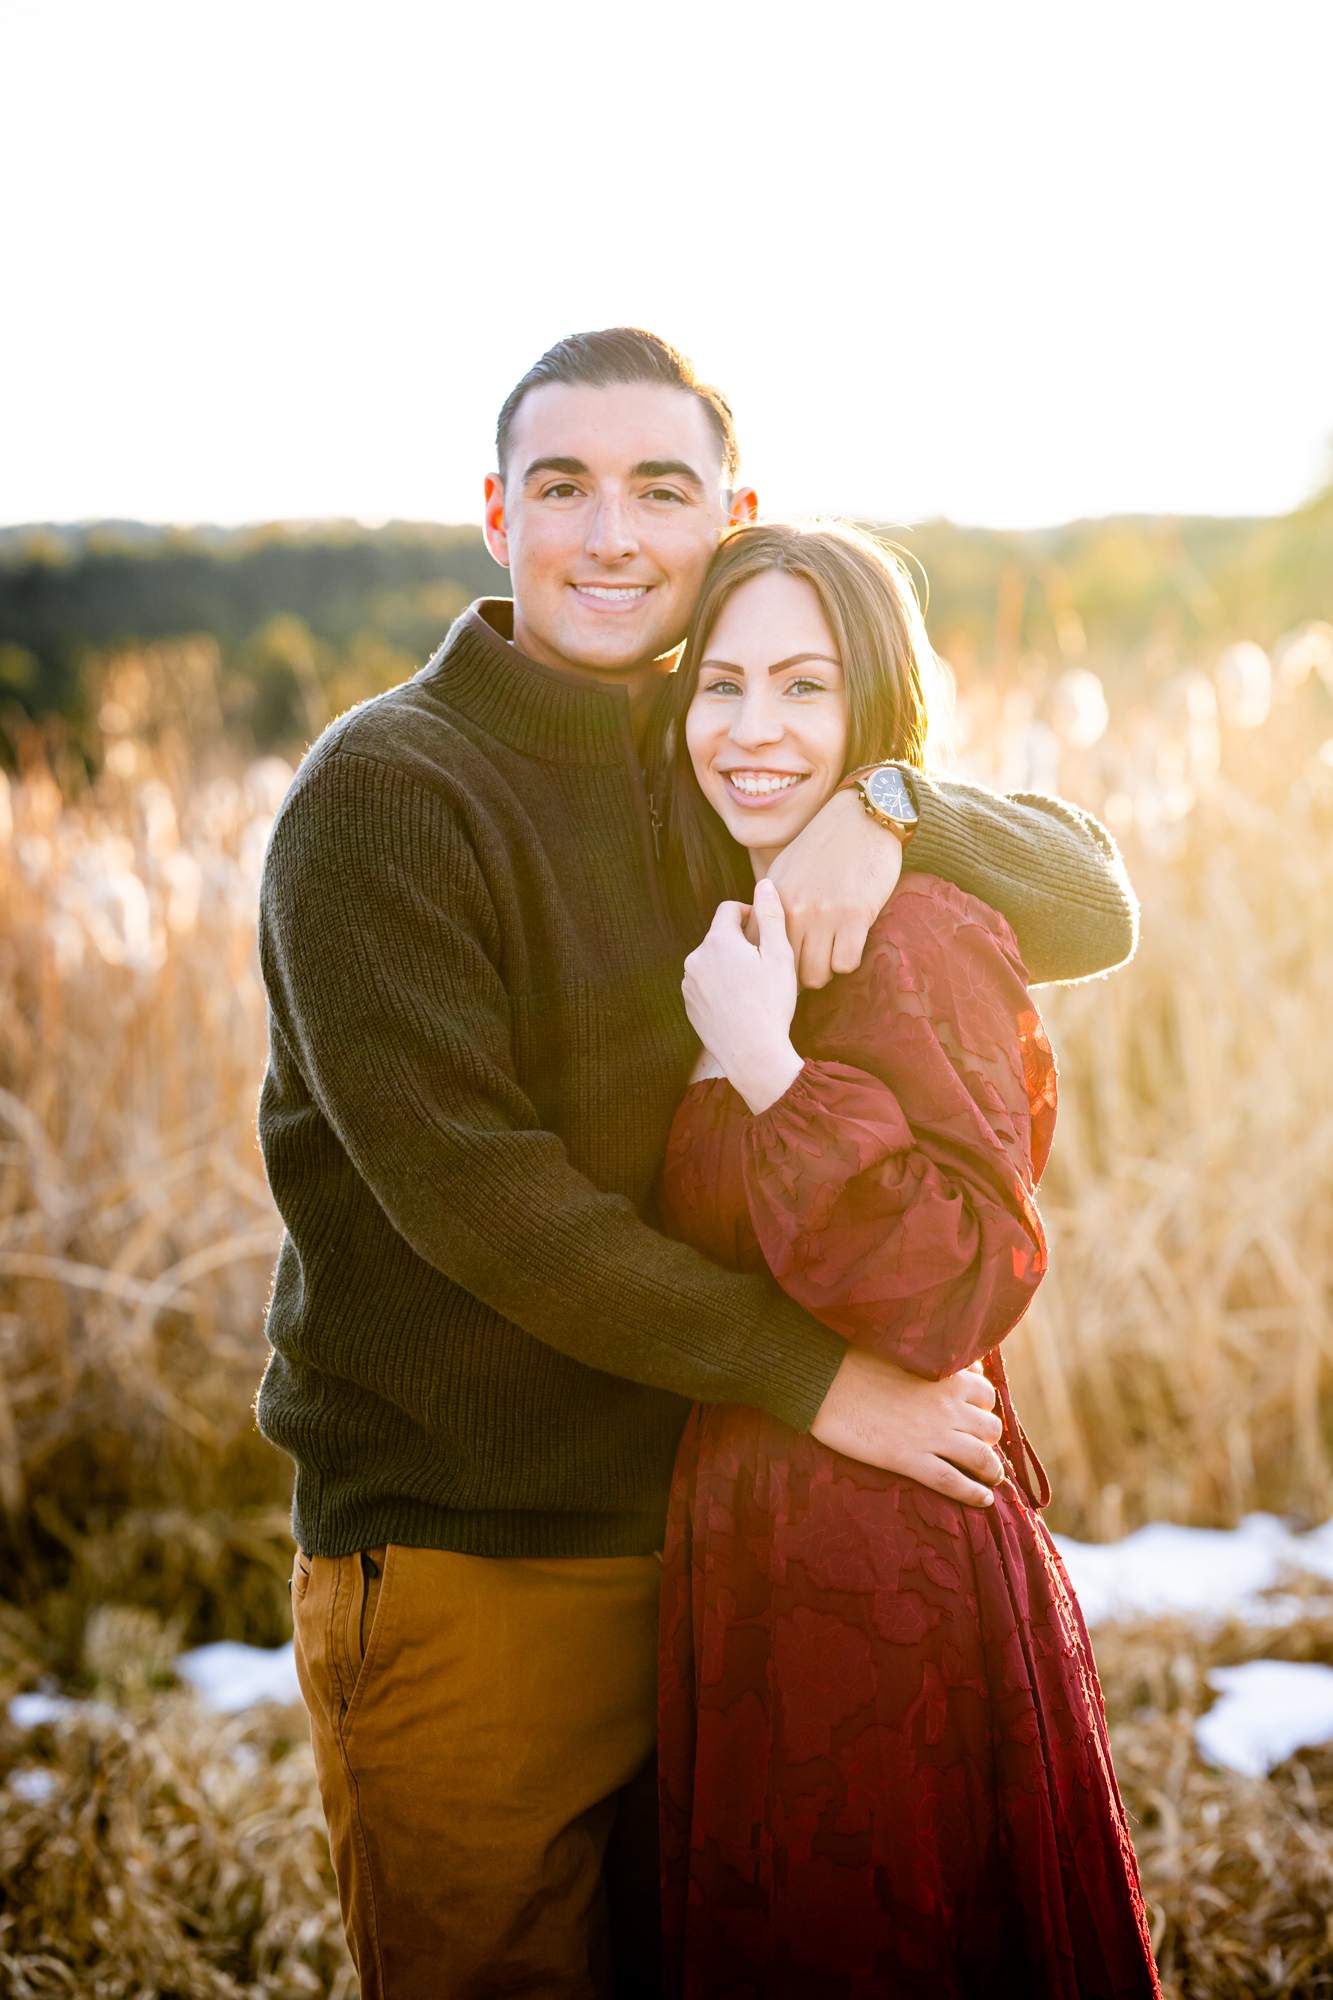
(477, 1042)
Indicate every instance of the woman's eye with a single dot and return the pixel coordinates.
(722, 687)
(806, 687)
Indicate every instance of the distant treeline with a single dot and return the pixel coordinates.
(385, 596)
(305, 619)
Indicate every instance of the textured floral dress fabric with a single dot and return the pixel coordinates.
(884, 1761)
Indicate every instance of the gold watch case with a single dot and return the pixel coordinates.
(884, 794)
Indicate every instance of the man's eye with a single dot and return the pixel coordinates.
(663, 493)
(564, 489)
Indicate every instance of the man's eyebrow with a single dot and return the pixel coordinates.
(647, 468)
(666, 468)
(778, 666)
(571, 465)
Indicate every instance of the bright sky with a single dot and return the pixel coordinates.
(1008, 263)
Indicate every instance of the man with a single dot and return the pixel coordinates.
(483, 1351)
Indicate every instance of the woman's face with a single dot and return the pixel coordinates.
(767, 728)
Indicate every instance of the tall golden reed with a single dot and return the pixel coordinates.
(1178, 1362)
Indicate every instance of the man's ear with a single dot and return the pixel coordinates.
(493, 519)
(744, 507)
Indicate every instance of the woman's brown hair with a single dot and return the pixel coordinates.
(872, 612)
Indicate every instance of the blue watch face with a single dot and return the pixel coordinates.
(887, 792)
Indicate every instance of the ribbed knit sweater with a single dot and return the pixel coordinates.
(477, 1042)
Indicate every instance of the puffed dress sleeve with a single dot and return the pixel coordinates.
(892, 1193)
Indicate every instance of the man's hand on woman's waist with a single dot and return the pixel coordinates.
(938, 1433)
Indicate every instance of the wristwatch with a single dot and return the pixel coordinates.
(885, 796)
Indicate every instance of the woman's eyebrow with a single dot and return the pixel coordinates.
(778, 666)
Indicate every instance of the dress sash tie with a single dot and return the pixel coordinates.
(1021, 1455)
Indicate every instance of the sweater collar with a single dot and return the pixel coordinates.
(536, 710)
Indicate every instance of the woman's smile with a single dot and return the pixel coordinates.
(758, 788)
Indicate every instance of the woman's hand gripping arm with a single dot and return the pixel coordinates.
(741, 997)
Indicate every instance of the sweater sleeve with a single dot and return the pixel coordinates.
(386, 982)
(1050, 869)
(895, 1199)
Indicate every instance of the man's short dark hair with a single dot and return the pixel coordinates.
(620, 354)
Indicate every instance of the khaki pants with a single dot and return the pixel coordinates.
(484, 1734)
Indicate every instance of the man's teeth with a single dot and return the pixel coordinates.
(757, 787)
(614, 593)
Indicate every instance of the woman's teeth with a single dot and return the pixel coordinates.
(755, 787)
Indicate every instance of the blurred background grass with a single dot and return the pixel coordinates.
(156, 691)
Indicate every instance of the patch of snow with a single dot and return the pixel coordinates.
(34, 1784)
(229, 1676)
(1201, 1573)
(35, 1711)
(1268, 1710)
(30, 1711)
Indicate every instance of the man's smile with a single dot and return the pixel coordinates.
(611, 593)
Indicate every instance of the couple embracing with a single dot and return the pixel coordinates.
(639, 1345)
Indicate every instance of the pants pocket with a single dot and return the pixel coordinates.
(372, 1562)
(365, 1580)
(314, 1594)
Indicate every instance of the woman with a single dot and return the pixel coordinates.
(884, 1763)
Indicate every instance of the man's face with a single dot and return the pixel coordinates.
(613, 505)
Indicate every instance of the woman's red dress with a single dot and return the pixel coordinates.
(884, 1762)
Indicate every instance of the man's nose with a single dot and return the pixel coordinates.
(611, 538)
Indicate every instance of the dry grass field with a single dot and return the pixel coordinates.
(1178, 1363)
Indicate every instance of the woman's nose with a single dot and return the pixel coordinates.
(756, 723)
